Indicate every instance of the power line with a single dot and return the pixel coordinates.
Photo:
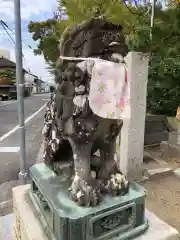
(5, 27)
(5, 35)
(7, 32)
(12, 41)
(4, 24)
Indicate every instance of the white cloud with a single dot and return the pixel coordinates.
(28, 8)
(33, 9)
(6, 9)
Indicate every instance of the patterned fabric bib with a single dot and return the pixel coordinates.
(109, 90)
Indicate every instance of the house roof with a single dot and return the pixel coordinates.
(5, 63)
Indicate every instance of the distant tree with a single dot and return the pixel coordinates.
(7, 76)
(164, 70)
(47, 33)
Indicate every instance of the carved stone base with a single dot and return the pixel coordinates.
(115, 218)
(28, 227)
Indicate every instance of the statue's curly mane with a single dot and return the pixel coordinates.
(90, 38)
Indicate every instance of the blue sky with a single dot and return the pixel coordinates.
(34, 10)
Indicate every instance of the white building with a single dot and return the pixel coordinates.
(29, 79)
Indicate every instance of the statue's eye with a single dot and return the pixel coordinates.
(114, 38)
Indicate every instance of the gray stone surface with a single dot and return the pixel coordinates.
(6, 190)
(171, 147)
(156, 129)
(170, 150)
(6, 225)
(177, 172)
(156, 137)
(6, 197)
(6, 202)
(158, 229)
(158, 171)
(173, 137)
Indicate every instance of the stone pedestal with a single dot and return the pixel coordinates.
(27, 225)
(118, 218)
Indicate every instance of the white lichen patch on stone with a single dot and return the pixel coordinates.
(125, 181)
(81, 88)
(117, 181)
(80, 194)
(80, 100)
(53, 147)
(115, 157)
(75, 156)
(57, 140)
(93, 174)
(53, 134)
(44, 129)
(76, 178)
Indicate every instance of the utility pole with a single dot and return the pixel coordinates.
(20, 90)
(152, 19)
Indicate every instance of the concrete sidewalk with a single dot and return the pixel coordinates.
(6, 225)
(158, 229)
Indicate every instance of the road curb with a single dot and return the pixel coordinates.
(6, 207)
(6, 204)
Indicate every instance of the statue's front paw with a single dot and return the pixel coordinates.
(83, 193)
(117, 184)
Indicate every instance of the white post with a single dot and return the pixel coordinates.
(178, 132)
(132, 133)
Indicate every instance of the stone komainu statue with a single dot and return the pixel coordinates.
(72, 130)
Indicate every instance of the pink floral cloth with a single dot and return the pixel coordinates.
(109, 90)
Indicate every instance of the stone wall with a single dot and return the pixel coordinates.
(156, 129)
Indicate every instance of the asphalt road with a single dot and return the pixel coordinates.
(10, 137)
(9, 111)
